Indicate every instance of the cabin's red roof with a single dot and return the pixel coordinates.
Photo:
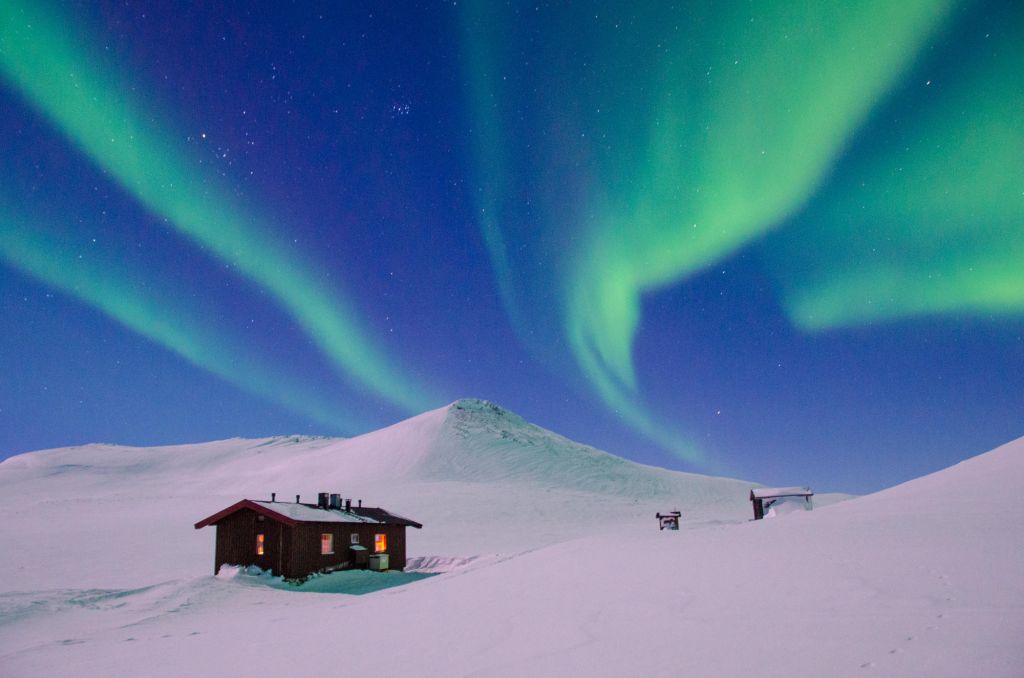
(246, 504)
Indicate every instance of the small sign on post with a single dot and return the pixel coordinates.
(668, 521)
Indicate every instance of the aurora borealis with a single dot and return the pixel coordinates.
(752, 234)
(102, 119)
(726, 150)
(159, 315)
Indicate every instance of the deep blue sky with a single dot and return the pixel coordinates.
(434, 171)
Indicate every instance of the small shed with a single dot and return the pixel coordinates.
(294, 540)
(764, 498)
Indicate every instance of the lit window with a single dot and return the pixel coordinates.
(259, 544)
(354, 538)
(380, 543)
(326, 544)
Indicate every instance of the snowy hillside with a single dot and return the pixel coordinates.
(455, 469)
(551, 564)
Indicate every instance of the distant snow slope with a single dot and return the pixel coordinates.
(480, 478)
(552, 561)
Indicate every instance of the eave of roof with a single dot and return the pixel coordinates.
(385, 516)
(772, 492)
(246, 504)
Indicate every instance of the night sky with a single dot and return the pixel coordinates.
(776, 240)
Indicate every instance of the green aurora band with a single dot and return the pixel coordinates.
(662, 144)
(155, 312)
(931, 224)
(94, 108)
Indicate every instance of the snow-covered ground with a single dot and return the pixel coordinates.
(549, 559)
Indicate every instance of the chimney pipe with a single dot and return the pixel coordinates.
(296, 499)
(348, 504)
(321, 499)
(360, 503)
(273, 497)
(335, 501)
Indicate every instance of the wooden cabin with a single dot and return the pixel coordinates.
(764, 498)
(294, 540)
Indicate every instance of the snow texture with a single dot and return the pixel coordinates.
(547, 556)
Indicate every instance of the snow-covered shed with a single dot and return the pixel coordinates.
(764, 498)
(294, 540)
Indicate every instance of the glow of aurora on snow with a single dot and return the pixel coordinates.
(95, 109)
(654, 144)
(155, 312)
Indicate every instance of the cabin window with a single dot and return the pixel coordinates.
(354, 539)
(380, 543)
(326, 544)
(259, 544)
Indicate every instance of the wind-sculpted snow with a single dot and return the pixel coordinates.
(483, 442)
(455, 469)
(468, 441)
(547, 557)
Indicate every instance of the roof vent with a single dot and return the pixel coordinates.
(348, 504)
(273, 497)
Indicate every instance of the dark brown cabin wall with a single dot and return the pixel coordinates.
(305, 550)
(236, 542)
(365, 533)
(396, 542)
(396, 545)
(233, 547)
(304, 547)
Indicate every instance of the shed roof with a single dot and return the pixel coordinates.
(771, 492)
(291, 514)
(381, 516)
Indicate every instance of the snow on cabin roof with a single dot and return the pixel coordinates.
(291, 514)
(383, 516)
(304, 513)
(769, 492)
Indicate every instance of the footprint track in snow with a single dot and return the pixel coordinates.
(944, 580)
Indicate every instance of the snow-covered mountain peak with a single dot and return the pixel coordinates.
(484, 409)
(479, 420)
(479, 441)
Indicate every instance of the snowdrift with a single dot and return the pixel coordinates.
(550, 563)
